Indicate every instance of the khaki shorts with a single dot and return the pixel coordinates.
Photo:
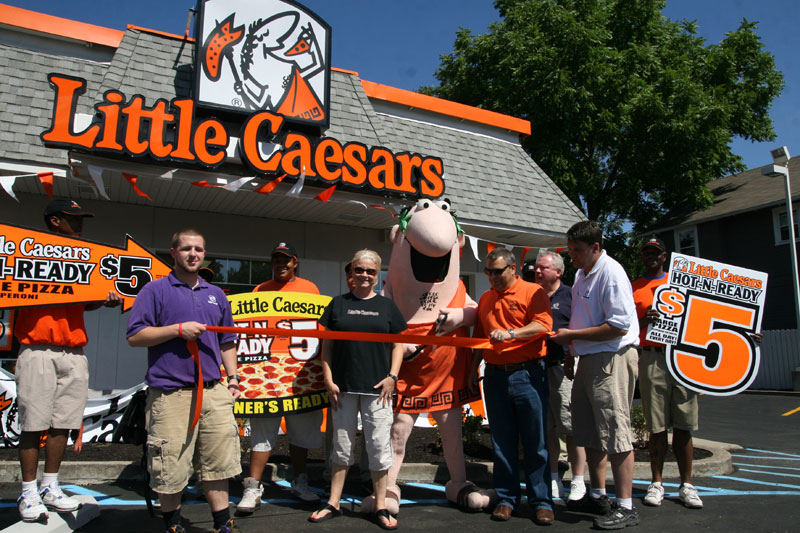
(602, 397)
(666, 403)
(52, 387)
(376, 423)
(302, 429)
(559, 412)
(212, 449)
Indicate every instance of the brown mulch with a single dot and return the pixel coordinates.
(423, 447)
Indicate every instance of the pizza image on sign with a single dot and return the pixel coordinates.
(279, 374)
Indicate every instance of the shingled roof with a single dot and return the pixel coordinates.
(499, 192)
(740, 193)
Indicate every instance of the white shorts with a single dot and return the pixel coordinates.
(302, 429)
(376, 423)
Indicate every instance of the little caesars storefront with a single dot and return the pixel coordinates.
(249, 135)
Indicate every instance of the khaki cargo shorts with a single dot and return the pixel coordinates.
(666, 403)
(52, 387)
(602, 397)
(559, 412)
(212, 449)
(302, 429)
(376, 421)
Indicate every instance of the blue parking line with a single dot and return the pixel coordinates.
(785, 454)
(768, 473)
(766, 466)
(764, 458)
(756, 482)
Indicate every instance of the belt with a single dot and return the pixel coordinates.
(652, 348)
(513, 367)
(206, 385)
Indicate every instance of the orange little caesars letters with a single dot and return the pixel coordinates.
(670, 303)
(120, 128)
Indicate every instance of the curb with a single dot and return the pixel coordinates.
(97, 472)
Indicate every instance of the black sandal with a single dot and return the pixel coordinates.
(384, 513)
(333, 513)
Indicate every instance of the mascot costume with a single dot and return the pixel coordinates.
(424, 281)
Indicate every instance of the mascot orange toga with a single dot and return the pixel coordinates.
(424, 281)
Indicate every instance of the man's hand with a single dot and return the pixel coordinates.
(500, 335)
(562, 336)
(113, 299)
(651, 316)
(233, 388)
(333, 394)
(190, 330)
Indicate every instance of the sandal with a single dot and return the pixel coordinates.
(333, 512)
(384, 513)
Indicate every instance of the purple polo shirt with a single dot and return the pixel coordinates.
(168, 301)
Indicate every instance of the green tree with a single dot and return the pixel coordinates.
(631, 112)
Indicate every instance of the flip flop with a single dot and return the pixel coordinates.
(384, 513)
(333, 513)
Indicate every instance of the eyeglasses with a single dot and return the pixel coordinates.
(495, 271)
(367, 271)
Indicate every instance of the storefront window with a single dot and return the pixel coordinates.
(234, 276)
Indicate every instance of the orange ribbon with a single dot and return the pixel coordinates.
(198, 403)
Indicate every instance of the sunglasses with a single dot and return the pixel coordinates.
(367, 271)
(495, 271)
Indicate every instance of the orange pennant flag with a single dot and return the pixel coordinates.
(204, 183)
(269, 187)
(325, 195)
(46, 179)
(524, 251)
(132, 180)
(490, 246)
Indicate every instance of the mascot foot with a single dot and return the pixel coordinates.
(392, 502)
(469, 497)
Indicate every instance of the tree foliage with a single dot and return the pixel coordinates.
(631, 113)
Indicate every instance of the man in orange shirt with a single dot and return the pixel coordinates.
(303, 429)
(515, 385)
(52, 379)
(666, 403)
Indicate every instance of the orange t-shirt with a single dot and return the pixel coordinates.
(644, 291)
(295, 285)
(60, 325)
(514, 308)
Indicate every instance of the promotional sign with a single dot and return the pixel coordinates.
(265, 55)
(708, 313)
(279, 374)
(39, 268)
(6, 329)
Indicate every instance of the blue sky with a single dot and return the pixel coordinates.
(399, 43)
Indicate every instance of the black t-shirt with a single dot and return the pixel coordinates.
(357, 366)
(561, 307)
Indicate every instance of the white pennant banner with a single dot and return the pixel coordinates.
(295, 191)
(8, 183)
(236, 185)
(97, 176)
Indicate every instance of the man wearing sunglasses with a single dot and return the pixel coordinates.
(515, 384)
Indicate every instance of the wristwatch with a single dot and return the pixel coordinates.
(511, 332)
(234, 376)
(390, 375)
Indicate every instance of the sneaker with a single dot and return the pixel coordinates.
(251, 497)
(577, 490)
(229, 527)
(301, 490)
(556, 488)
(31, 508)
(655, 494)
(176, 529)
(617, 518)
(689, 497)
(587, 504)
(55, 500)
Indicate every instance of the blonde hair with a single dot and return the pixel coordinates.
(366, 253)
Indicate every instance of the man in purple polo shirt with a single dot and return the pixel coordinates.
(167, 313)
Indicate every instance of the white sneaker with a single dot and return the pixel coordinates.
(251, 497)
(55, 500)
(577, 490)
(31, 508)
(301, 490)
(689, 497)
(655, 494)
(556, 488)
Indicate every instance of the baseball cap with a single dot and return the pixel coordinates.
(206, 273)
(284, 248)
(655, 243)
(529, 266)
(69, 207)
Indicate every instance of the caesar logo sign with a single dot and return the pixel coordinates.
(265, 55)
